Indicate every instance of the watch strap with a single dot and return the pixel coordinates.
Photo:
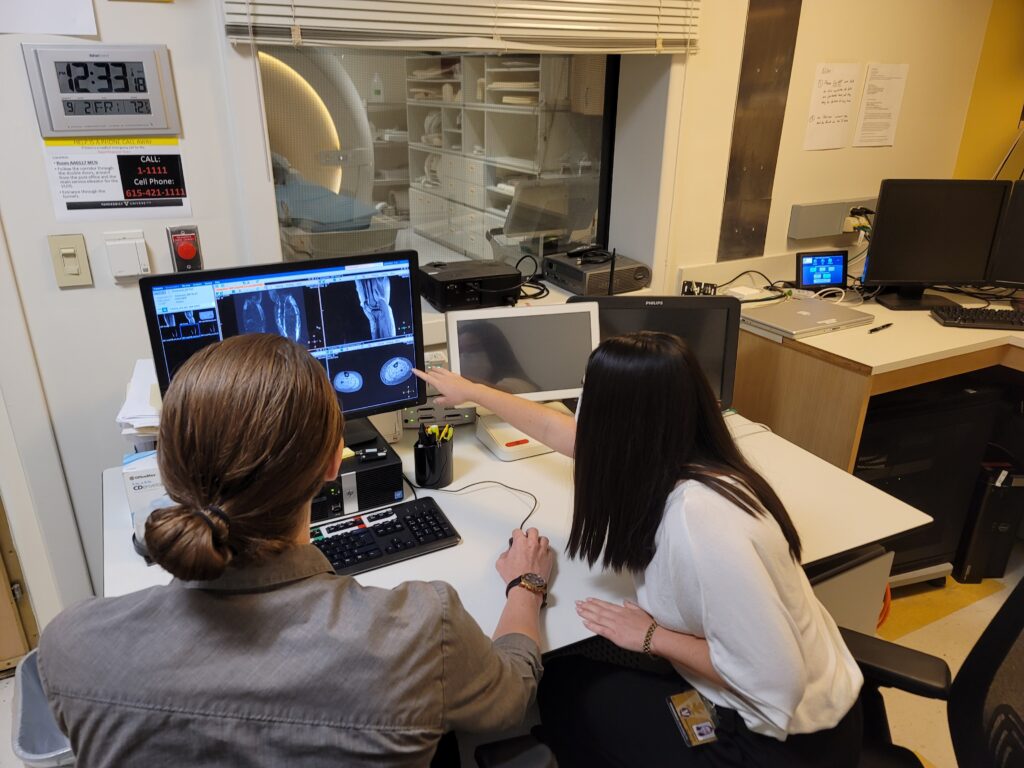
(518, 582)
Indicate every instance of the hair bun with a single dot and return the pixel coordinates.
(188, 543)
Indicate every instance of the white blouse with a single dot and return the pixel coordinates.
(727, 576)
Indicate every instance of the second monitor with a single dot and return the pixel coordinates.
(710, 325)
(932, 232)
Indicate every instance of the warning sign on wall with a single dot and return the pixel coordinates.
(114, 178)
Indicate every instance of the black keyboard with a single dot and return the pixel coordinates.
(384, 536)
(996, 319)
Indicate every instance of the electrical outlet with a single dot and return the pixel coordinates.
(824, 219)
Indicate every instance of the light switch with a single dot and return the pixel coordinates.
(70, 261)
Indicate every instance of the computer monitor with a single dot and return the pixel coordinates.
(710, 325)
(358, 316)
(1007, 264)
(558, 206)
(537, 353)
(932, 232)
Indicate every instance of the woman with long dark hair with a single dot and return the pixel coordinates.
(662, 491)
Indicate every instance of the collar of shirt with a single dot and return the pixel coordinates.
(294, 564)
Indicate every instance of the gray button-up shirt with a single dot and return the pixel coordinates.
(284, 663)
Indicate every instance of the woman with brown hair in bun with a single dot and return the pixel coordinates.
(257, 653)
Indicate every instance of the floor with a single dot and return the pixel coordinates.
(917, 723)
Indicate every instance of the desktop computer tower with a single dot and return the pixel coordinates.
(992, 525)
(924, 446)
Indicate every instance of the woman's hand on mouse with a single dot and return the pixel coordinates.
(454, 389)
(528, 553)
(625, 625)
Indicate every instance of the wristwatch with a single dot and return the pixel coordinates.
(533, 582)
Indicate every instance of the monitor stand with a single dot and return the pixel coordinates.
(358, 432)
(505, 441)
(909, 299)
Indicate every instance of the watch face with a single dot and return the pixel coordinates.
(535, 580)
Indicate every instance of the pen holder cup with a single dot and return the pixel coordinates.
(434, 464)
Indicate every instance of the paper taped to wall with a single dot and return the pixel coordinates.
(880, 105)
(110, 178)
(831, 110)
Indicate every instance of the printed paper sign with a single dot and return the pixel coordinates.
(114, 178)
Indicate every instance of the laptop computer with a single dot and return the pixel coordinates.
(800, 318)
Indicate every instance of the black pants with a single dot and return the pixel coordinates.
(598, 714)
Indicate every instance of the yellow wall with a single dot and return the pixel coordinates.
(998, 96)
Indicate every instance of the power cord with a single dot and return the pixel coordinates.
(533, 508)
(539, 289)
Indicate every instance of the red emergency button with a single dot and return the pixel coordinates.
(186, 251)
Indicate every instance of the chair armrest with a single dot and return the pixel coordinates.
(519, 752)
(893, 666)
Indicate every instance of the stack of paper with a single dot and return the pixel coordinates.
(139, 417)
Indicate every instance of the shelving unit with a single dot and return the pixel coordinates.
(390, 148)
(476, 122)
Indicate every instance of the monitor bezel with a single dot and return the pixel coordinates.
(730, 304)
(995, 261)
(146, 284)
(876, 230)
(452, 320)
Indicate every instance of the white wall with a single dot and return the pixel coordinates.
(941, 41)
(86, 340)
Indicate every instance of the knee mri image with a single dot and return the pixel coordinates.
(278, 310)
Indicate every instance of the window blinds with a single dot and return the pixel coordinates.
(594, 26)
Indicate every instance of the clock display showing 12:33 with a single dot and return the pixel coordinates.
(101, 76)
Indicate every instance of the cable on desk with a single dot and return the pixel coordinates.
(533, 508)
(749, 272)
(825, 293)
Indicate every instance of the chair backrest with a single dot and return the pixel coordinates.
(35, 737)
(986, 702)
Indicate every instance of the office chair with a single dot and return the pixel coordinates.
(985, 703)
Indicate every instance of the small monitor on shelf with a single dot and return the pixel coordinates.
(359, 317)
(710, 325)
(1007, 265)
(537, 353)
(932, 232)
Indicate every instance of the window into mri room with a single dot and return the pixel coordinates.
(376, 150)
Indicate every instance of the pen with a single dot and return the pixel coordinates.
(881, 327)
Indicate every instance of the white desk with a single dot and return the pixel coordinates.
(797, 387)
(833, 512)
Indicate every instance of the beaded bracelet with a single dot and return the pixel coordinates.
(648, 637)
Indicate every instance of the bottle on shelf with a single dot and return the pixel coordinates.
(377, 88)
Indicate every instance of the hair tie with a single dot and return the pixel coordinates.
(206, 514)
(216, 511)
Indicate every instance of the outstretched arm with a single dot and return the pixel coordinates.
(555, 430)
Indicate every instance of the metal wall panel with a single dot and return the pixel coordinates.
(757, 127)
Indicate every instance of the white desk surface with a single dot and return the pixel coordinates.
(832, 510)
(914, 338)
